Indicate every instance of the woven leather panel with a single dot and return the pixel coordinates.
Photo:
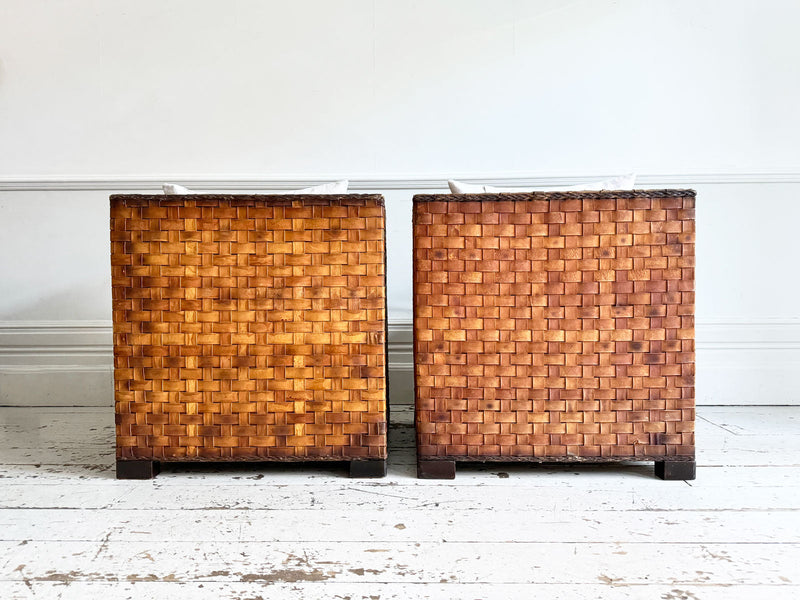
(554, 325)
(249, 327)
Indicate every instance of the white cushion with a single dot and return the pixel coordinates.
(623, 182)
(334, 187)
(171, 189)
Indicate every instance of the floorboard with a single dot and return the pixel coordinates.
(68, 529)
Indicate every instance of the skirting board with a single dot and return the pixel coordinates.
(68, 363)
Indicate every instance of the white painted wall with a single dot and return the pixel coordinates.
(361, 86)
(99, 96)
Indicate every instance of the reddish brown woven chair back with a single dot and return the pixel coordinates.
(555, 327)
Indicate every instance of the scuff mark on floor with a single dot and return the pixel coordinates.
(285, 576)
(611, 580)
(361, 571)
(678, 595)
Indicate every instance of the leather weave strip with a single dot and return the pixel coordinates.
(249, 327)
(555, 326)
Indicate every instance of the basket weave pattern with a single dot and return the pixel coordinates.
(554, 326)
(249, 327)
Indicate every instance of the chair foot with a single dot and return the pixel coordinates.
(436, 469)
(137, 469)
(367, 468)
(672, 470)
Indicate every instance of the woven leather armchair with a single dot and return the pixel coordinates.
(555, 327)
(249, 328)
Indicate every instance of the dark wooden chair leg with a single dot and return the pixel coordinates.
(436, 469)
(137, 469)
(367, 468)
(673, 470)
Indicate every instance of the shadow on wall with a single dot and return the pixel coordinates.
(80, 385)
(67, 385)
(85, 300)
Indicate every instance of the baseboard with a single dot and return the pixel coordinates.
(68, 363)
(55, 344)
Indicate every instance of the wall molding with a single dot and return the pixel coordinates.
(43, 339)
(55, 344)
(28, 345)
(69, 363)
(365, 182)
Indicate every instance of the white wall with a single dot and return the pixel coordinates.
(101, 96)
(356, 86)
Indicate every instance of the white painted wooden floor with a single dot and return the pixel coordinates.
(69, 530)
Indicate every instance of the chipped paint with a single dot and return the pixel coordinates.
(67, 522)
